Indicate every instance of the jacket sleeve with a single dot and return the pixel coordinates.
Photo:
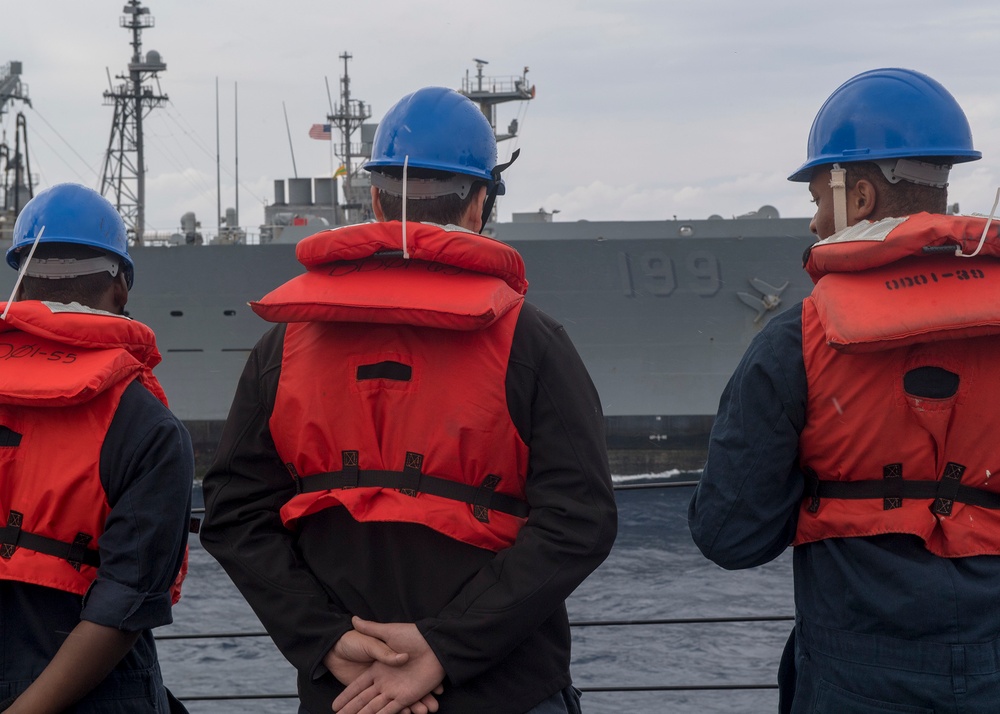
(147, 467)
(573, 518)
(244, 490)
(744, 510)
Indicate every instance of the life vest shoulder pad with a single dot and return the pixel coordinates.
(452, 280)
(391, 291)
(81, 328)
(871, 245)
(424, 241)
(114, 341)
(914, 300)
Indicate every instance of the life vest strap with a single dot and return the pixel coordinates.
(411, 481)
(892, 488)
(12, 537)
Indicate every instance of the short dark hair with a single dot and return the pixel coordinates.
(443, 209)
(84, 289)
(898, 199)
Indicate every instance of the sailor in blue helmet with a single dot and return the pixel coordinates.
(413, 476)
(95, 480)
(860, 425)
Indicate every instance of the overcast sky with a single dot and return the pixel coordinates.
(645, 109)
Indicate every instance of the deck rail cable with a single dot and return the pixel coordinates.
(583, 623)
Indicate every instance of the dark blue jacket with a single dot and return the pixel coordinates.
(147, 467)
(881, 591)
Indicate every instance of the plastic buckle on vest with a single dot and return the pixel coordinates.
(411, 474)
(349, 461)
(947, 489)
(484, 494)
(892, 476)
(9, 545)
(78, 549)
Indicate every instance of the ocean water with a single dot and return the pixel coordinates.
(653, 572)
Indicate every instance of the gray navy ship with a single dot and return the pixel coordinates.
(660, 311)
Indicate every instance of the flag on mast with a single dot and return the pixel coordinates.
(342, 171)
(321, 132)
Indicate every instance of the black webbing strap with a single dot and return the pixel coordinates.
(892, 475)
(411, 481)
(893, 488)
(76, 553)
(411, 474)
(948, 488)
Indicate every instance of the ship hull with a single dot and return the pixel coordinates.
(654, 309)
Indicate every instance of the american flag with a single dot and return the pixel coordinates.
(320, 131)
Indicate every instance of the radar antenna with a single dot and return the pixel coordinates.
(124, 174)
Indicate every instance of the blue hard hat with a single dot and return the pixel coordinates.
(437, 129)
(71, 213)
(888, 114)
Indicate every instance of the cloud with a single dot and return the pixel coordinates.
(644, 109)
(602, 200)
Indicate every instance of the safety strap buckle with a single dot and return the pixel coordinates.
(947, 489)
(78, 549)
(411, 474)
(484, 494)
(12, 534)
(892, 479)
(349, 463)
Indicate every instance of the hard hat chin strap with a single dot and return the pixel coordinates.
(491, 195)
(406, 166)
(21, 272)
(838, 182)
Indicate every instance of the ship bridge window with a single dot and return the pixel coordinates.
(176, 313)
(229, 313)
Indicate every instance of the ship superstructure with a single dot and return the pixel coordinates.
(660, 311)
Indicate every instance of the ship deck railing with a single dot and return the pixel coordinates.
(706, 686)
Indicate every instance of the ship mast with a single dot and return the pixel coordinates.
(487, 92)
(14, 165)
(347, 117)
(124, 174)
(11, 87)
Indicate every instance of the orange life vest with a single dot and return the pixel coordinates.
(63, 375)
(879, 459)
(391, 400)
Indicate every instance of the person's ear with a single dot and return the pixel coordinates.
(119, 292)
(473, 216)
(377, 206)
(861, 201)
